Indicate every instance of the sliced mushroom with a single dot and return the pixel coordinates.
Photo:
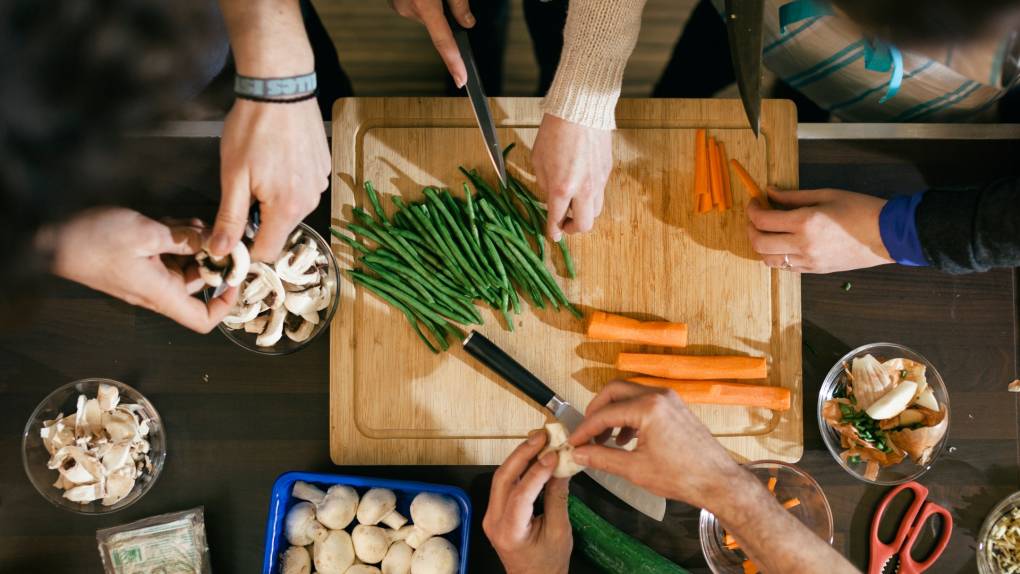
(118, 486)
(120, 425)
(231, 269)
(241, 314)
(108, 397)
(274, 329)
(301, 302)
(301, 333)
(256, 325)
(265, 286)
(297, 266)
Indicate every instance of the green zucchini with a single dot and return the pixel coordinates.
(611, 549)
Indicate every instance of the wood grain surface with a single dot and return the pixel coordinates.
(235, 421)
(651, 255)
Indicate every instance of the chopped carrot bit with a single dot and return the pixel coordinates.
(728, 539)
(793, 502)
(772, 484)
(750, 568)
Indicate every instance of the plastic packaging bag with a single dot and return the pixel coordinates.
(166, 544)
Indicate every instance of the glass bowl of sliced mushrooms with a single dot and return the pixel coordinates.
(94, 446)
(282, 305)
(998, 540)
(883, 411)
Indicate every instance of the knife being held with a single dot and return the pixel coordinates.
(481, 348)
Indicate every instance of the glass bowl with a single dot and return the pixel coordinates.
(34, 455)
(791, 482)
(907, 470)
(984, 562)
(285, 345)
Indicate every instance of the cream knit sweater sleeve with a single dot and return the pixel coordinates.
(597, 42)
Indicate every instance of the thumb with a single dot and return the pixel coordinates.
(612, 460)
(232, 215)
(794, 197)
(555, 500)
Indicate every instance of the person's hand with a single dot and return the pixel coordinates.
(675, 457)
(430, 13)
(572, 164)
(823, 231)
(144, 262)
(525, 543)
(276, 154)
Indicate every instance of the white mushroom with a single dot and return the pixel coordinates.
(108, 396)
(301, 302)
(256, 325)
(300, 526)
(297, 265)
(362, 569)
(296, 560)
(85, 492)
(240, 262)
(118, 486)
(241, 313)
(334, 508)
(397, 559)
(402, 533)
(370, 543)
(231, 268)
(333, 554)
(274, 329)
(379, 505)
(433, 515)
(435, 556)
(302, 333)
(565, 465)
(120, 425)
(263, 284)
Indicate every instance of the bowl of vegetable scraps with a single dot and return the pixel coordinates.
(883, 412)
(999, 538)
(794, 489)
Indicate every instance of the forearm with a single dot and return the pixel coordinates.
(971, 230)
(268, 37)
(597, 42)
(774, 539)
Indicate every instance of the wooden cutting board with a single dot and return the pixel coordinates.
(394, 402)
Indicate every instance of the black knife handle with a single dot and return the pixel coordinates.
(505, 366)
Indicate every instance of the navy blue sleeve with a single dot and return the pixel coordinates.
(897, 225)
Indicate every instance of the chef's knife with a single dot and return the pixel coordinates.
(744, 23)
(479, 103)
(514, 373)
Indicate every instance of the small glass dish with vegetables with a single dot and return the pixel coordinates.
(998, 549)
(794, 489)
(883, 411)
(284, 305)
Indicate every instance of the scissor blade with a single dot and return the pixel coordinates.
(744, 23)
(480, 104)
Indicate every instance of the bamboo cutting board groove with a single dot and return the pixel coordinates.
(650, 255)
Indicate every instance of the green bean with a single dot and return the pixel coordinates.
(382, 270)
(528, 271)
(349, 240)
(568, 261)
(444, 214)
(399, 306)
(411, 302)
(444, 232)
(374, 199)
(537, 263)
(494, 258)
(469, 198)
(437, 331)
(445, 296)
(425, 222)
(471, 244)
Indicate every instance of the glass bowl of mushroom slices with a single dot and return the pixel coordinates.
(883, 411)
(94, 446)
(284, 305)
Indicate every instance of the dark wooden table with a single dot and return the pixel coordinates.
(235, 420)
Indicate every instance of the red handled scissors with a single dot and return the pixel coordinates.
(910, 528)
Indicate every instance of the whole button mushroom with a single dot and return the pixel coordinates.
(435, 556)
(362, 569)
(334, 508)
(397, 559)
(300, 526)
(370, 543)
(296, 560)
(433, 515)
(379, 505)
(333, 554)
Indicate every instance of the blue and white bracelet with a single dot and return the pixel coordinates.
(276, 90)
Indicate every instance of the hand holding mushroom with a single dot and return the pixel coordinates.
(139, 260)
(527, 543)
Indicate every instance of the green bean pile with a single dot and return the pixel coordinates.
(432, 259)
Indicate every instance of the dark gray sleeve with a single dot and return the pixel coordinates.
(962, 231)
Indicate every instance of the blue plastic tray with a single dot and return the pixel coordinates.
(280, 502)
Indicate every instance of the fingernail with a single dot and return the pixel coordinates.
(220, 243)
(469, 20)
(461, 82)
(548, 459)
(535, 437)
(580, 457)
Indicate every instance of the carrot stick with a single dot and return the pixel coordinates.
(715, 170)
(749, 567)
(725, 175)
(752, 188)
(719, 393)
(704, 203)
(793, 502)
(700, 164)
(772, 484)
(693, 367)
(608, 327)
(728, 539)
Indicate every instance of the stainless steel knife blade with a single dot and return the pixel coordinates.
(744, 27)
(637, 497)
(479, 103)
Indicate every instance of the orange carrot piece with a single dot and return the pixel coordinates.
(704, 203)
(749, 567)
(720, 393)
(693, 367)
(727, 193)
(728, 539)
(701, 164)
(609, 327)
(772, 484)
(792, 503)
(752, 188)
(715, 170)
